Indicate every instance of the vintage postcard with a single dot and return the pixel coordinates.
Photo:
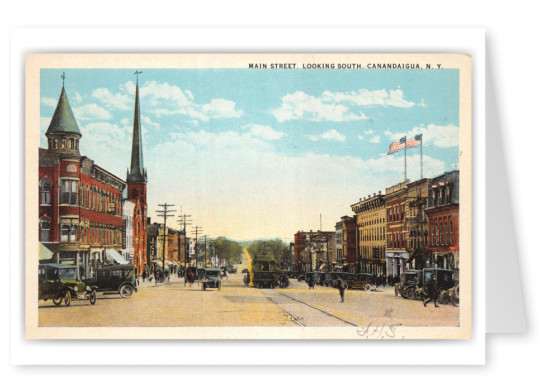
(248, 196)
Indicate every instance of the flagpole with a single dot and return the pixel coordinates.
(421, 156)
(405, 159)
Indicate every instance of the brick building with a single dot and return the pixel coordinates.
(416, 223)
(80, 203)
(312, 250)
(299, 251)
(339, 261)
(349, 244)
(396, 254)
(371, 222)
(443, 220)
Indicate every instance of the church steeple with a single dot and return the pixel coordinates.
(137, 171)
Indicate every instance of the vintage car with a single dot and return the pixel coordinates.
(358, 280)
(444, 279)
(60, 283)
(200, 273)
(212, 279)
(120, 279)
(232, 269)
(410, 281)
(332, 279)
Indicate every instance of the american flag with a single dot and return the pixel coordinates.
(396, 146)
(399, 145)
(415, 142)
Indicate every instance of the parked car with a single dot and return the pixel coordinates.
(60, 283)
(410, 281)
(116, 278)
(444, 279)
(212, 279)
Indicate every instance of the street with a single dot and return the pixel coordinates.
(176, 305)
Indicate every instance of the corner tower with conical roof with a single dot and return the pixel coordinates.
(63, 133)
(136, 179)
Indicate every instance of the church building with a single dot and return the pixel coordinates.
(136, 179)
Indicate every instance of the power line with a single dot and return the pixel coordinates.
(183, 221)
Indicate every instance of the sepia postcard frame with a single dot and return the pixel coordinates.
(34, 62)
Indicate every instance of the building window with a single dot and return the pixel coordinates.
(69, 192)
(64, 234)
(445, 232)
(44, 229)
(45, 188)
(451, 232)
(73, 233)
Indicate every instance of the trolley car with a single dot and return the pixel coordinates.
(263, 271)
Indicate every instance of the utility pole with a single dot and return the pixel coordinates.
(206, 251)
(183, 221)
(197, 232)
(164, 214)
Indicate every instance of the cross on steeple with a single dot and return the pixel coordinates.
(63, 77)
(137, 73)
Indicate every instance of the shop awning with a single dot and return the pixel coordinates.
(114, 257)
(44, 253)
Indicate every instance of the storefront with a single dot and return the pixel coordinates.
(396, 262)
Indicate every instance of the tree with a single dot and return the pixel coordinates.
(276, 248)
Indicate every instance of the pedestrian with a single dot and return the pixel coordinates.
(432, 292)
(342, 287)
(311, 283)
(167, 276)
(144, 275)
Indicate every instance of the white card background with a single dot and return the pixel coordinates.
(253, 352)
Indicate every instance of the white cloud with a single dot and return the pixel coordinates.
(264, 132)
(44, 123)
(164, 94)
(167, 99)
(118, 100)
(368, 132)
(149, 123)
(221, 108)
(49, 101)
(213, 171)
(91, 112)
(78, 97)
(332, 134)
(332, 106)
(375, 139)
(299, 105)
(108, 144)
(365, 97)
(443, 136)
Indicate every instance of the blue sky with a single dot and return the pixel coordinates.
(259, 152)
